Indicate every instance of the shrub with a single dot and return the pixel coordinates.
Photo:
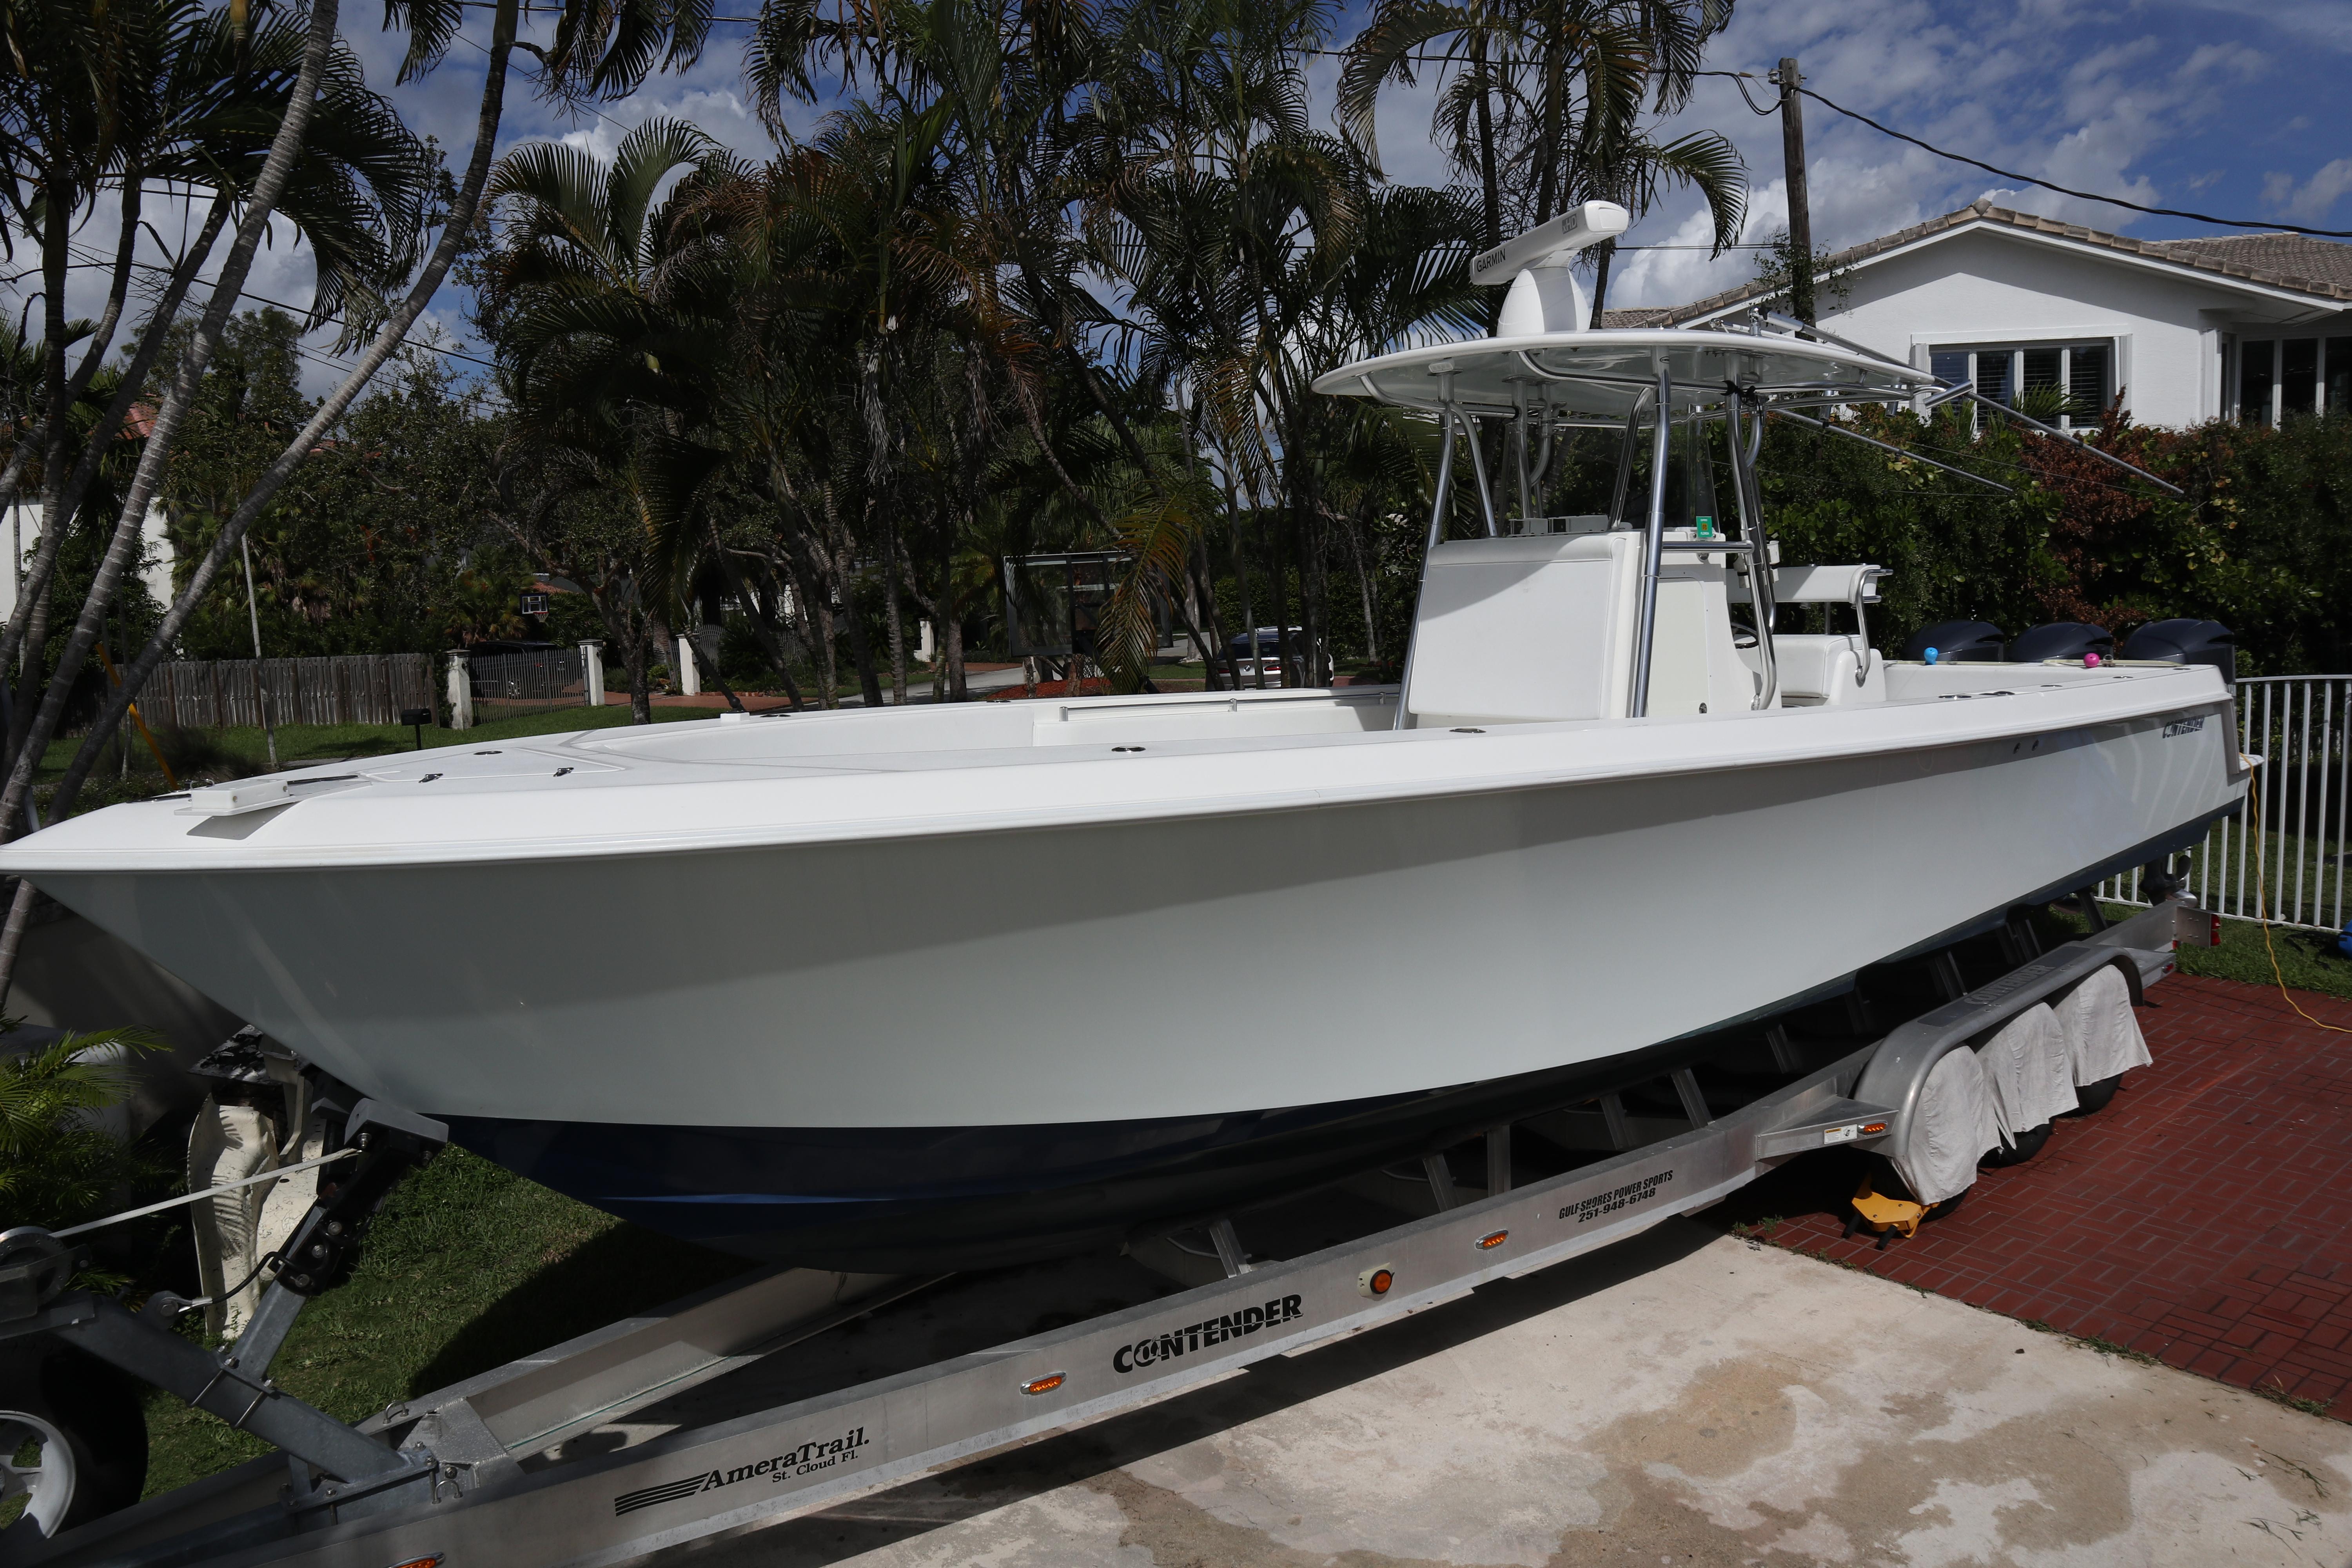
(58, 1166)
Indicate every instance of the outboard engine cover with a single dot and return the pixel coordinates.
(2061, 640)
(2187, 641)
(1964, 642)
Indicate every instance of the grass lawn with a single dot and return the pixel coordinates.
(2306, 959)
(467, 1268)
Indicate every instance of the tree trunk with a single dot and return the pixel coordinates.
(820, 610)
(621, 633)
(891, 620)
(633, 659)
(277, 168)
(952, 633)
(1357, 548)
(1278, 569)
(33, 580)
(393, 330)
(710, 666)
(763, 625)
(665, 643)
(1205, 590)
(861, 654)
(1486, 176)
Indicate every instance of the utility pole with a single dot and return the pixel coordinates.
(260, 686)
(1800, 217)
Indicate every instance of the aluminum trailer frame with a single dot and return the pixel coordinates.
(472, 1503)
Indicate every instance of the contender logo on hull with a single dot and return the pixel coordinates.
(1153, 1349)
(2184, 727)
(807, 1459)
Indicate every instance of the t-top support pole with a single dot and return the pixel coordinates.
(1652, 544)
(1479, 470)
(1759, 547)
(1520, 434)
(1625, 459)
(1429, 544)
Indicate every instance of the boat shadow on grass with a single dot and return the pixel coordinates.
(617, 1273)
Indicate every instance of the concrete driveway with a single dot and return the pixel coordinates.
(1682, 1398)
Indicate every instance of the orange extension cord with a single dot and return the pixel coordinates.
(2262, 911)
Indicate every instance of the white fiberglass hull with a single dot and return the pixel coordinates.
(1163, 949)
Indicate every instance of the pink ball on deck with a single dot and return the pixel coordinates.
(2090, 661)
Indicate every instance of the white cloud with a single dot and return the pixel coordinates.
(2315, 198)
(2140, 102)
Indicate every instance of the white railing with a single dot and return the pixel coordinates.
(2293, 872)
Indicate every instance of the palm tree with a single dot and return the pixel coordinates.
(1539, 99)
(601, 46)
(608, 307)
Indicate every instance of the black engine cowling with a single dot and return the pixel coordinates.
(2061, 640)
(2187, 641)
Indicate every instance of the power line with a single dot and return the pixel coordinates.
(1745, 76)
(283, 305)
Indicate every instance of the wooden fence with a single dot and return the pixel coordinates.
(346, 689)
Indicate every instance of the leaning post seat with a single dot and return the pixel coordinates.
(1541, 627)
(1838, 668)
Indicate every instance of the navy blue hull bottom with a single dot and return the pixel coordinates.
(901, 1199)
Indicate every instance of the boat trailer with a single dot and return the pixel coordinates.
(473, 1474)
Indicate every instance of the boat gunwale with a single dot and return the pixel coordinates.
(29, 857)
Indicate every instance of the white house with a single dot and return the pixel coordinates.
(20, 530)
(2253, 325)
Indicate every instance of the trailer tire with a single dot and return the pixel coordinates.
(2090, 1099)
(2026, 1145)
(85, 1416)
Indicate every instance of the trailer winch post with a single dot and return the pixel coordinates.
(234, 1383)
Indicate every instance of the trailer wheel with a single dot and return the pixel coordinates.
(73, 1439)
(2027, 1144)
(2090, 1099)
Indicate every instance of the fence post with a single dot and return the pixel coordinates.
(461, 691)
(592, 673)
(689, 675)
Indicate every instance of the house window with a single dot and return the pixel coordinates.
(2082, 376)
(2279, 376)
(2090, 377)
(2336, 380)
(2256, 380)
(2298, 376)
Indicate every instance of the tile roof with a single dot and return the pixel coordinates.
(2316, 267)
(1651, 316)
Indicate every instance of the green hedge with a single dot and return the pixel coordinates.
(2258, 541)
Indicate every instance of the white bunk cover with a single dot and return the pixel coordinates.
(1952, 1126)
(2030, 1071)
(2102, 1035)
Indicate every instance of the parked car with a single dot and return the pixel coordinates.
(1268, 651)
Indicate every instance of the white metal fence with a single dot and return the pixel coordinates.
(540, 678)
(2291, 871)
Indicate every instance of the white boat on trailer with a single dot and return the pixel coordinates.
(1198, 946)
(727, 1410)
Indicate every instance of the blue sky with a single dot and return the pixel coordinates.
(2232, 107)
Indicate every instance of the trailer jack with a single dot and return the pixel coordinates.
(336, 1470)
